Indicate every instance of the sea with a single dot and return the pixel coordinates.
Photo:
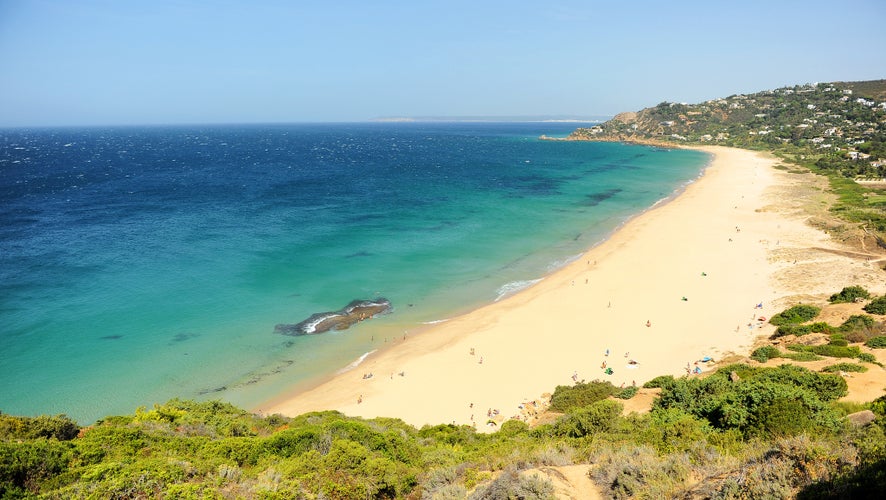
(140, 264)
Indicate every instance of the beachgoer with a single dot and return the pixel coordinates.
(360, 399)
(648, 323)
(607, 352)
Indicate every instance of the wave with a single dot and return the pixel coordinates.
(356, 363)
(513, 287)
(435, 321)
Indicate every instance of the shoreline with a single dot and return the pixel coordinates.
(675, 284)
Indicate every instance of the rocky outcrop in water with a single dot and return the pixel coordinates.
(357, 310)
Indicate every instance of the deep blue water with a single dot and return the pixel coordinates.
(140, 264)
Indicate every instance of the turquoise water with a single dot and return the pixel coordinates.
(141, 264)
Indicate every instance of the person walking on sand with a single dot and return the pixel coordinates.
(648, 323)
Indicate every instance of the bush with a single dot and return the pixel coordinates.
(856, 322)
(659, 381)
(839, 342)
(877, 306)
(582, 394)
(795, 315)
(868, 358)
(59, 427)
(800, 348)
(878, 342)
(783, 417)
(598, 417)
(845, 367)
(849, 294)
(627, 392)
(765, 353)
(834, 351)
(801, 356)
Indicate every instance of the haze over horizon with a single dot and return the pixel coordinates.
(99, 62)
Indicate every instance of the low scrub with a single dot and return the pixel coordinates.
(835, 351)
(878, 342)
(845, 367)
(801, 356)
(570, 397)
(849, 294)
(765, 353)
(876, 306)
(795, 315)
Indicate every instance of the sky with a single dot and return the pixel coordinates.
(109, 62)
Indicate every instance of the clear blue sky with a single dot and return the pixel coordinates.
(101, 62)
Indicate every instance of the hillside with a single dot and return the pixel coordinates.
(836, 129)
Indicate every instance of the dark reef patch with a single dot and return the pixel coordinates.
(356, 311)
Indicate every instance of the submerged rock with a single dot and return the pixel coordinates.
(357, 310)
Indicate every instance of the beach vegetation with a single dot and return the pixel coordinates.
(836, 351)
(844, 367)
(569, 397)
(795, 315)
(876, 306)
(867, 357)
(769, 430)
(878, 342)
(801, 356)
(659, 381)
(765, 353)
(849, 294)
(627, 392)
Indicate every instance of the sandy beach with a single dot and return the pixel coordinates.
(686, 280)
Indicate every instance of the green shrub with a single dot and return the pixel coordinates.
(659, 381)
(765, 353)
(834, 351)
(820, 327)
(849, 294)
(598, 417)
(868, 358)
(801, 356)
(582, 394)
(627, 392)
(857, 322)
(782, 417)
(798, 314)
(799, 330)
(844, 367)
(800, 348)
(59, 427)
(878, 342)
(839, 342)
(876, 306)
